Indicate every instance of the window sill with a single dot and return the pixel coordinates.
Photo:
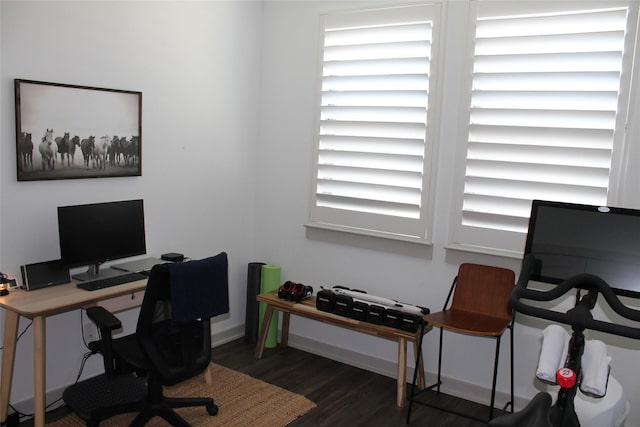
(369, 241)
(484, 250)
(369, 233)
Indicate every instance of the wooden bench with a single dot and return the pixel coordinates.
(307, 308)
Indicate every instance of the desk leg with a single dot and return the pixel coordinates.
(284, 335)
(11, 319)
(402, 372)
(39, 372)
(266, 320)
(208, 376)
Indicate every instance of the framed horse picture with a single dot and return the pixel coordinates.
(68, 132)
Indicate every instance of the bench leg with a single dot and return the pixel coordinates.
(402, 372)
(284, 335)
(268, 313)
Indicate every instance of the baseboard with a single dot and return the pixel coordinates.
(228, 335)
(26, 406)
(472, 392)
(370, 363)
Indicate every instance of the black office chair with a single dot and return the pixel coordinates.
(172, 343)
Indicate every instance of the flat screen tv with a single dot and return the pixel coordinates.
(569, 239)
(95, 233)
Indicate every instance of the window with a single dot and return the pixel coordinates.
(547, 112)
(376, 123)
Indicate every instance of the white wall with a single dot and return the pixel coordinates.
(198, 66)
(229, 95)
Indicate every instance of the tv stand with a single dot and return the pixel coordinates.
(94, 272)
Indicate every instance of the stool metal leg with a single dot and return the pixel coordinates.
(495, 378)
(439, 381)
(415, 372)
(511, 346)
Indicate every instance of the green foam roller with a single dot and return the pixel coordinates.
(269, 281)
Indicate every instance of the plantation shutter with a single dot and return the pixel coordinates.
(545, 115)
(375, 134)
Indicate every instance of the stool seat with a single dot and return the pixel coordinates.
(468, 322)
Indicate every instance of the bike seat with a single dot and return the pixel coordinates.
(535, 414)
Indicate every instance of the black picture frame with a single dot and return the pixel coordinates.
(67, 131)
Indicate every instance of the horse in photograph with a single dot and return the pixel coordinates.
(26, 149)
(114, 151)
(129, 150)
(100, 152)
(48, 150)
(73, 144)
(86, 145)
(63, 148)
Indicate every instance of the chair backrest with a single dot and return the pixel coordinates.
(484, 289)
(177, 351)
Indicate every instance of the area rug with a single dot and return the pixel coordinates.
(243, 401)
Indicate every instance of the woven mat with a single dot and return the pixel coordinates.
(243, 401)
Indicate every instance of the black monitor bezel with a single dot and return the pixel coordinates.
(536, 204)
(96, 261)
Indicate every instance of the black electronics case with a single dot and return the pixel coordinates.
(344, 305)
(44, 274)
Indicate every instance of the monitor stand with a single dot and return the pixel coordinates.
(94, 273)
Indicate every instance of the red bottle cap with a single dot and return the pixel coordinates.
(565, 377)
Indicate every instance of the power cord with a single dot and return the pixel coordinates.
(86, 344)
(17, 417)
(13, 419)
(92, 346)
(21, 416)
(26, 328)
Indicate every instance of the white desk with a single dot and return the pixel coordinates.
(37, 305)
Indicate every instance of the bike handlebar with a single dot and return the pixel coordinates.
(579, 316)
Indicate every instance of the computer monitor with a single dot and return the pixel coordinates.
(92, 234)
(569, 239)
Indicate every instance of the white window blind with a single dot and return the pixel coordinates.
(372, 171)
(545, 114)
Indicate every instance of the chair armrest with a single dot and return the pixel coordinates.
(103, 318)
(106, 323)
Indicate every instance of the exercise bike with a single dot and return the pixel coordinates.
(540, 412)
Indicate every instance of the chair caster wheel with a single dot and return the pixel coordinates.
(212, 409)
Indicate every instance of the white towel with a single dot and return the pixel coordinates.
(555, 343)
(595, 369)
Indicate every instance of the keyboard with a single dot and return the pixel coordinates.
(107, 282)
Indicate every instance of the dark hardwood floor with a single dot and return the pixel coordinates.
(344, 395)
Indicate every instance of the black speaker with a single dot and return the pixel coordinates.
(44, 274)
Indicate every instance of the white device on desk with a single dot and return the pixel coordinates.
(137, 266)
